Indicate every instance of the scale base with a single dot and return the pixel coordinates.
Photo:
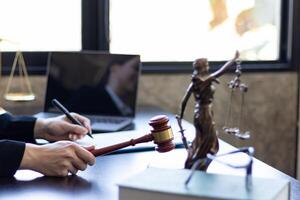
(19, 96)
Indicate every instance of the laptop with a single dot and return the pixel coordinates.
(101, 86)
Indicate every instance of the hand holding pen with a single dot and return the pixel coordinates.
(59, 106)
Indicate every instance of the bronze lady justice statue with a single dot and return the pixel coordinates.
(206, 140)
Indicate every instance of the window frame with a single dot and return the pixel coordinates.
(95, 36)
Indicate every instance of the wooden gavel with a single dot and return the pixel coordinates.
(161, 134)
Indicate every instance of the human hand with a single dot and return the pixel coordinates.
(60, 128)
(57, 159)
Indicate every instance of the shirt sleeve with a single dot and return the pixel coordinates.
(19, 128)
(14, 132)
(11, 154)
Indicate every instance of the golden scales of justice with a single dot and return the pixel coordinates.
(22, 91)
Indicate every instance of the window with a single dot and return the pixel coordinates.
(174, 30)
(168, 34)
(37, 27)
(34, 25)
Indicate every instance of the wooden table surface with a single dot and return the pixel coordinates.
(100, 181)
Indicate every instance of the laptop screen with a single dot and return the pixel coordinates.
(94, 83)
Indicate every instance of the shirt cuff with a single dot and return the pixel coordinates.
(18, 128)
(11, 154)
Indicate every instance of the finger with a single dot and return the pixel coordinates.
(78, 164)
(73, 170)
(84, 155)
(85, 121)
(75, 129)
(88, 126)
(73, 137)
(62, 173)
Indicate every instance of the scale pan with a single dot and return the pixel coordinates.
(19, 96)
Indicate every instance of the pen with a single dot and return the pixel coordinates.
(67, 113)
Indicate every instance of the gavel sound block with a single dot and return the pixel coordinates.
(161, 134)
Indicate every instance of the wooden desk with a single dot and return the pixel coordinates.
(100, 181)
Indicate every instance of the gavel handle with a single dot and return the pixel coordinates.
(132, 142)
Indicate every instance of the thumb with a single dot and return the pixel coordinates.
(90, 148)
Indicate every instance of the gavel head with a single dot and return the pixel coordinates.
(162, 133)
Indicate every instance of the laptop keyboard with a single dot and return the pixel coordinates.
(106, 120)
(108, 124)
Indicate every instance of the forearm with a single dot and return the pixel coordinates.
(184, 102)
